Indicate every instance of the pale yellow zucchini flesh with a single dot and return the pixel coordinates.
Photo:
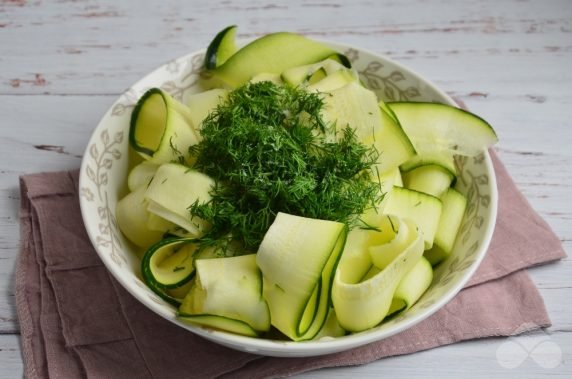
(227, 289)
(298, 257)
(363, 305)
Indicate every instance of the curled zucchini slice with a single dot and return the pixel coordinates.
(331, 328)
(431, 179)
(393, 238)
(352, 104)
(220, 323)
(363, 305)
(298, 257)
(173, 189)
(440, 127)
(412, 286)
(392, 143)
(141, 175)
(132, 218)
(161, 128)
(272, 53)
(203, 103)
(169, 264)
(454, 206)
(311, 73)
(226, 294)
(222, 47)
(421, 207)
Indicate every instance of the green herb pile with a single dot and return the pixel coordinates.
(267, 149)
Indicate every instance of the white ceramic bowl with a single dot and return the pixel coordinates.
(103, 182)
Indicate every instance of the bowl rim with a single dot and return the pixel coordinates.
(304, 348)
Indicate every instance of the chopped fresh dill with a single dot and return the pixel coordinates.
(267, 149)
(392, 226)
(361, 224)
(176, 152)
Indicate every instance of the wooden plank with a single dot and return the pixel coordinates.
(480, 358)
(113, 44)
(476, 359)
(10, 356)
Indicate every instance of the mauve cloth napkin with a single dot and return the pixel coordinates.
(77, 321)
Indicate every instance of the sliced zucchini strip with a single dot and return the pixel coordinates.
(441, 127)
(159, 224)
(132, 217)
(412, 286)
(398, 180)
(141, 175)
(388, 180)
(181, 292)
(358, 107)
(431, 179)
(230, 288)
(331, 328)
(222, 47)
(342, 59)
(352, 105)
(357, 242)
(393, 238)
(203, 103)
(220, 323)
(384, 107)
(439, 158)
(454, 205)
(331, 83)
(392, 144)
(169, 264)
(272, 53)
(317, 76)
(161, 128)
(311, 73)
(173, 190)
(363, 305)
(421, 207)
(298, 257)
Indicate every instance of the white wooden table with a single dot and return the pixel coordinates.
(63, 63)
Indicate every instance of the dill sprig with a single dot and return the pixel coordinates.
(267, 150)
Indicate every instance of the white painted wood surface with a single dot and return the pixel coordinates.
(62, 64)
